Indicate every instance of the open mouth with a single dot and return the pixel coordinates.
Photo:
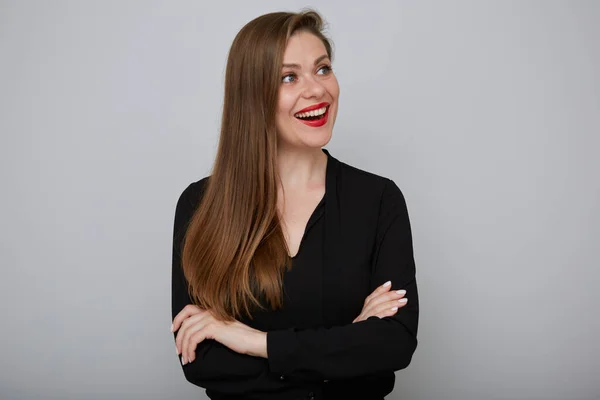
(316, 117)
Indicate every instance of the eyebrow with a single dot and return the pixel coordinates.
(297, 66)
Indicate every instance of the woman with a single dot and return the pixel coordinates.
(284, 258)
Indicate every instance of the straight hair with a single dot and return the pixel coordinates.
(234, 251)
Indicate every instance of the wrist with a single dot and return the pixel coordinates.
(259, 344)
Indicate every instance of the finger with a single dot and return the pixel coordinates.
(186, 312)
(385, 297)
(383, 309)
(198, 337)
(388, 312)
(206, 332)
(181, 334)
(391, 306)
(187, 327)
(180, 317)
(188, 341)
(362, 317)
(381, 289)
(196, 323)
(373, 305)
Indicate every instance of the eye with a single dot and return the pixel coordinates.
(326, 68)
(289, 78)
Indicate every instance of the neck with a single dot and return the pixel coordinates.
(301, 168)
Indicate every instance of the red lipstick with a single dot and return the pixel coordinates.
(315, 123)
(313, 107)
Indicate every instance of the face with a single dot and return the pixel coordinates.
(308, 94)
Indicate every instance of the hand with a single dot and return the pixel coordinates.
(382, 303)
(194, 325)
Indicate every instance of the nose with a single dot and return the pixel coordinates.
(313, 88)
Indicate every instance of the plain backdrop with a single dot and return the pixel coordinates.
(485, 113)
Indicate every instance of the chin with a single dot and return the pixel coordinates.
(315, 140)
(310, 139)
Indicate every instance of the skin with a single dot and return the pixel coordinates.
(302, 167)
(304, 83)
(307, 79)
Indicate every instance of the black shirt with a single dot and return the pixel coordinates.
(301, 296)
(357, 238)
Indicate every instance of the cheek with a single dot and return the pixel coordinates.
(284, 109)
(334, 88)
(334, 91)
(285, 104)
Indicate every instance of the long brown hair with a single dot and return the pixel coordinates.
(234, 251)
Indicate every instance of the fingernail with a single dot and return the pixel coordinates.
(403, 300)
(394, 308)
(182, 360)
(401, 291)
(388, 283)
(171, 328)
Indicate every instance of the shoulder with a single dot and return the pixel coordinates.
(194, 190)
(189, 199)
(364, 183)
(355, 175)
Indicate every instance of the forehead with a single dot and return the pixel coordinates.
(303, 47)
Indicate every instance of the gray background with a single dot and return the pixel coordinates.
(486, 114)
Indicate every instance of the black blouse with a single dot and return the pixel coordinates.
(357, 238)
(301, 296)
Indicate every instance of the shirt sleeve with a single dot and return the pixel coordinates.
(216, 367)
(371, 346)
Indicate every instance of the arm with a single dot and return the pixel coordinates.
(371, 346)
(216, 366)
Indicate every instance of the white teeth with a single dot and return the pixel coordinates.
(312, 113)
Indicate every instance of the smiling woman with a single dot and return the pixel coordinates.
(284, 257)
(307, 69)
